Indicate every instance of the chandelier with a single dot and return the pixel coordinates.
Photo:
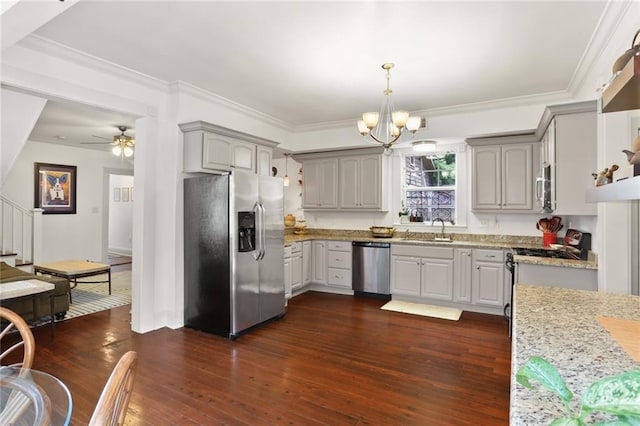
(388, 125)
(123, 144)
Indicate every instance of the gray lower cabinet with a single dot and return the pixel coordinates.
(422, 271)
(462, 275)
(487, 283)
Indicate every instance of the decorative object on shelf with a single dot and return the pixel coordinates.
(274, 171)
(388, 125)
(621, 93)
(289, 220)
(55, 188)
(633, 156)
(382, 231)
(606, 176)
(286, 170)
(617, 395)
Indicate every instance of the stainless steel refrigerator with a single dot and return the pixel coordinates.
(233, 252)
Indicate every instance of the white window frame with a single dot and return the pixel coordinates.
(461, 188)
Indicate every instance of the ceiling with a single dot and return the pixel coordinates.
(309, 63)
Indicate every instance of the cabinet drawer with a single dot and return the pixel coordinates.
(339, 259)
(488, 255)
(339, 277)
(296, 247)
(339, 245)
(422, 251)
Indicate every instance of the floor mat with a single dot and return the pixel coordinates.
(423, 310)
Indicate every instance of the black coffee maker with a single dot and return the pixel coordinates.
(579, 241)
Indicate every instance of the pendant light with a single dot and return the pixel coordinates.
(286, 169)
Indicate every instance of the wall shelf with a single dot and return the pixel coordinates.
(623, 94)
(627, 189)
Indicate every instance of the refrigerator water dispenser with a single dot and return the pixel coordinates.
(246, 231)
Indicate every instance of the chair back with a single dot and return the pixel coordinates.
(10, 321)
(114, 400)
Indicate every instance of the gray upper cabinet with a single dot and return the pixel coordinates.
(502, 173)
(569, 136)
(213, 149)
(343, 180)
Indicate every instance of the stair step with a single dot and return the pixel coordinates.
(7, 253)
(20, 262)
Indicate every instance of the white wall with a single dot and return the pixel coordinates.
(120, 214)
(66, 236)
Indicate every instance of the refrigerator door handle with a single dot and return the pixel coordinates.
(263, 232)
(257, 253)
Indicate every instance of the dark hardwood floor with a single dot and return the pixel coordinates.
(331, 360)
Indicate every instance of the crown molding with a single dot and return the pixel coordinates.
(610, 19)
(47, 46)
(518, 101)
(179, 86)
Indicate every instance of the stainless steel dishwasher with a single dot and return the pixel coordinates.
(370, 269)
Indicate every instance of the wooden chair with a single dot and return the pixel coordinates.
(114, 400)
(26, 343)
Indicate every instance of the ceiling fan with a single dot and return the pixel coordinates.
(122, 144)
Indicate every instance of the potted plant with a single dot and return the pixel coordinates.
(618, 395)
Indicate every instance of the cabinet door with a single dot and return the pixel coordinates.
(296, 271)
(405, 275)
(287, 278)
(517, 177)
(263, 160)
(370, 175)
(486, 177)
(311, 183)
(319, 266)
(216, 152)
(244, 155)
(306, 262)
(462, 276)
(488, 283)
(350, 182)
(329, 183)
(437, 279)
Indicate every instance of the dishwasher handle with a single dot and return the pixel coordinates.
(370, 244)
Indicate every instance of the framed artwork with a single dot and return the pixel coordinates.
(125, 194)
(55, 188)
(116, 194)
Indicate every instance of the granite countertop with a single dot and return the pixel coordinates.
(561, 326)
(502, 242)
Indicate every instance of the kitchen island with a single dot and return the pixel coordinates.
(561, 326)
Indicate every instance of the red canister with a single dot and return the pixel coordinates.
(549, 238)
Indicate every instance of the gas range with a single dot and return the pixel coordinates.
(541, 252)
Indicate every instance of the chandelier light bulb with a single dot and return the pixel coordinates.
(370, 119)
(117, 150)
(414, 123)
(362, 128)
(128, 152)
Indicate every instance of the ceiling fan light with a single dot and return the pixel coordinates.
(128, 152)
(424, 146)
(116, 150)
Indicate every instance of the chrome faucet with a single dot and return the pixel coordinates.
(442, 231)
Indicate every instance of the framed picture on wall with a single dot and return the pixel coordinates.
(116, 194)
(125, 194)
(55, 188)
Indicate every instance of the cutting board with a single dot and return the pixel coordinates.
(625, 332)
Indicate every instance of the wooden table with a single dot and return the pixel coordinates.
(29, 288)
(74, 269)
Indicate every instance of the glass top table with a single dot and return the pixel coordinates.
(33, 397)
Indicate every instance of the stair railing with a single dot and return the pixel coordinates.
(20, 232)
